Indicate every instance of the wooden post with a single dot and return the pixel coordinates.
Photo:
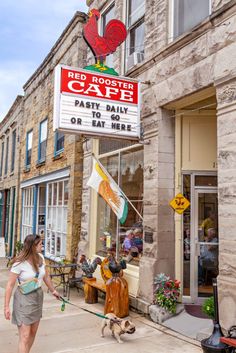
(90, 293)
(117, 296)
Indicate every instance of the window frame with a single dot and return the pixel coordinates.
(102, 28)
(28, 211)
(27, 165)
(134, 27)
(40, 157)
(6, 156)
(142, 5)
(130, 27)
(172, 36)
(13, 150)
(2, 157)
(119, 153)
(53, 205)
(57, 152)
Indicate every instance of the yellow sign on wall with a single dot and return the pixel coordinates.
(179, 203)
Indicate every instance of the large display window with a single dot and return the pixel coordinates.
(126, 168)
(27, 212)
(56, 218)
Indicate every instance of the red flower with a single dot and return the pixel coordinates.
(177, 283)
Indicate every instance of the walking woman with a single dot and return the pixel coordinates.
(29, 270)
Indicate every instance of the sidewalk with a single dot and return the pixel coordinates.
(76, 331)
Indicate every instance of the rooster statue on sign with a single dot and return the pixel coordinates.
(114, 34)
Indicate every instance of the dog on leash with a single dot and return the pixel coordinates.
(117, 326)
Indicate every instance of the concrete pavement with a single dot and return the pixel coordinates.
(76, 331)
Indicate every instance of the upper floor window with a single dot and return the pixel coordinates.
(106, 17)
(135, 50)
(2, 157)
(59, 142)
(6, 156)
(13, 150)
(43, 133)
(136, 9)
(188, 13)
(29, 141)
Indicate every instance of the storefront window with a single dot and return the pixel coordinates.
(126, 168)
(56, 219)
(27, 212)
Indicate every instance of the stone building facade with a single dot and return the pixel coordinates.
(10, 132)
(187, 71)
(184, 59)
(51, 162)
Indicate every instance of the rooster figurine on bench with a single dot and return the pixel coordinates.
(115, 33)
(89, 267)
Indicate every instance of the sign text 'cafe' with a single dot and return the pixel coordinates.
(96, 104)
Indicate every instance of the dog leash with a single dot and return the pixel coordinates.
(63, 306)
(64, 302)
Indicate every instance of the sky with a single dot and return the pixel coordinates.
(28, 30)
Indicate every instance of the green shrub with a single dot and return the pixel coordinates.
(208, 307)
(18, 247)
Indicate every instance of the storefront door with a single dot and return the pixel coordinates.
(205, 240)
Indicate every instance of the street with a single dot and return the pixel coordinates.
(75, 330)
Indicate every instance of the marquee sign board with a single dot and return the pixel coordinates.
(95, 104)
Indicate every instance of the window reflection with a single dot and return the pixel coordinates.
(126, 168)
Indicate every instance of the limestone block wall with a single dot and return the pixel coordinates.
(12, 122)
(156, 26)
(218, 4)
(226, 97)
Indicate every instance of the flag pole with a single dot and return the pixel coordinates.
(109, 176)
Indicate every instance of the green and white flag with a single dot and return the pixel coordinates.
(101, 181)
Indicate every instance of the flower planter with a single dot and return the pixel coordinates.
(159, 314)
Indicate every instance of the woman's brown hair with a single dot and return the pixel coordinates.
(29, 251)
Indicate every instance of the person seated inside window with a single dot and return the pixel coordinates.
(209, 252)
(208, 258)
(128, 241)
(132, 244)
(208, 223)
(138, 239)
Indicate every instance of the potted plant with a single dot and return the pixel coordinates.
(213, 344)
(166, 294)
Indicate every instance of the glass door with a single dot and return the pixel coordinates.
(206, 244)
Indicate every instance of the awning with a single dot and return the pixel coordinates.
(59, 174)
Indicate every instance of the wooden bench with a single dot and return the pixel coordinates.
(229, 341)
(91, 288)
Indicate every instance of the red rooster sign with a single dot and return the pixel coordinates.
(114, 34)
